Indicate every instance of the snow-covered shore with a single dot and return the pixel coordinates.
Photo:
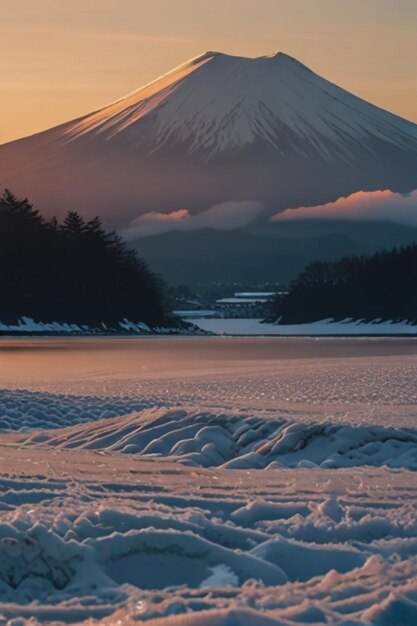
(328, 327)
(27, 326)
(217, 326)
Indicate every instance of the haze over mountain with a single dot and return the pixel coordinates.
(220, 143)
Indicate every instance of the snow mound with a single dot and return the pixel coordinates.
(152, 559)
(238, 441)
(37, 564)
(302, 562)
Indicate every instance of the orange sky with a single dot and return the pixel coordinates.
(60, 59)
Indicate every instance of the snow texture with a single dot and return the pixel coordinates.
(168, 545)
(129, 505)
(22, 411)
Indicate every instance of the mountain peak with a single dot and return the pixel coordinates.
(275, 55)
(220, 103)
(212, 54)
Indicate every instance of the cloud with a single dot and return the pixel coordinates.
(383, 205)
(224, 216)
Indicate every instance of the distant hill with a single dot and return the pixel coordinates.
(263, 254)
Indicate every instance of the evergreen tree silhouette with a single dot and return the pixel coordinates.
(360, 287)
(74, 272)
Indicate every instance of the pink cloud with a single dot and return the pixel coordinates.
(382, 205)
(154, 216)
(224, 216)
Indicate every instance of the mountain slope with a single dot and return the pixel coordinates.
(216, 129)
(220, 103)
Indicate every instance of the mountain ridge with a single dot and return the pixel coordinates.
(247, 92)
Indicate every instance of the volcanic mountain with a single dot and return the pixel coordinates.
(217, 129)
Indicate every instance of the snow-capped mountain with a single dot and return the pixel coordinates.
(216, 129)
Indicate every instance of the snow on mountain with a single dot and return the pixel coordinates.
(217, 129)
(219, 103)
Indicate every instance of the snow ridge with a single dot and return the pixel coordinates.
(236, 441)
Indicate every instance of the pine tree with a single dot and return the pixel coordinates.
(71, 272)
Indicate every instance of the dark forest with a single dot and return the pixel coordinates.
(382, 286)
(73, 272)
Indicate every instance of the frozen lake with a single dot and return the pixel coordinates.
(371, 377)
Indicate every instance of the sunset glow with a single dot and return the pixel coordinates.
(61, 60)
(363, 205)
(208, 412)
(225, 216)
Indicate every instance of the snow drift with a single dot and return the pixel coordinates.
(239, 441)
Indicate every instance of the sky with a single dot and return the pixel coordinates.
(60, 59)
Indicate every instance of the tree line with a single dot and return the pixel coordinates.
(74, 271)
(361, 287)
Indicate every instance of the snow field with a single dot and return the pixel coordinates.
(157, 541)
(29, 410)
(127, 500)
